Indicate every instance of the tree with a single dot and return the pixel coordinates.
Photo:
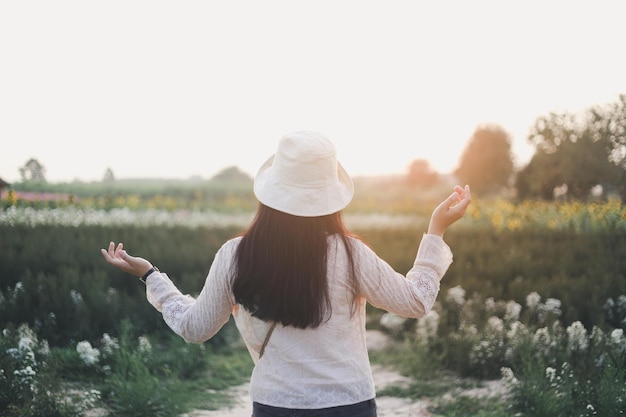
(231, 174)
(579, 151)
(487, 162)
(539, 178)
(613, 126)
(610, 123)
(108, 176)
(33, 171)
(421, 174)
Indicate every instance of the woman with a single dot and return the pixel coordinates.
(297, 283)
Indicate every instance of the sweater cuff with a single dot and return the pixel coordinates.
(435, 254)
(158, 284)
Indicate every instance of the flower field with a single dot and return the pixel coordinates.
(536, 297)
(499, 215)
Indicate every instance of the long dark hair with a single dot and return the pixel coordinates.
(281, 267)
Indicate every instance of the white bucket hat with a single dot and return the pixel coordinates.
(303, 177)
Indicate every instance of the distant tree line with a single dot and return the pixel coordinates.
(577, 156)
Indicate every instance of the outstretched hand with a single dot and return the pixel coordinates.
(120, 259)
(450, 210)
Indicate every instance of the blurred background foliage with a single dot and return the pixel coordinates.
(54, 277)
(578, 156)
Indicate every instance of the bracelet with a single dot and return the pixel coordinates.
(147, 274)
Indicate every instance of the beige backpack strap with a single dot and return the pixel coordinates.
(267, 339)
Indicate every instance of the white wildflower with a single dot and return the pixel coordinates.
(14, 353)
(109, 344)
(490, 305)
(469, 331)
(19, 287)
(44, 348)
(542, 341)
(26, 372)
(532, 300)
(509, 354)
(577, 340)
(508, 377)
(617, 337)
(77, 297)
(456, 295)
(553, 305)
(111, 295)
(427, 326)
(89, 355)
(495, 325)
(517, 335)
(28, 338)
(513, 310)
(517, 330)
(392, 322)
(597, 334)
(144, 344)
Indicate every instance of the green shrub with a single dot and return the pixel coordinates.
(139, 395)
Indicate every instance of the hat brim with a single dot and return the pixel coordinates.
(304, 202)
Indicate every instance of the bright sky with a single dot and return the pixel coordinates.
(173, 89)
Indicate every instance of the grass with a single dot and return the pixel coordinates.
(437, 386)
(229, 367)
(147, 389)
(175, 392)
(464, 406)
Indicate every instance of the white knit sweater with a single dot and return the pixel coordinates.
(311, 368)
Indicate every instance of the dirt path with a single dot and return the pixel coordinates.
(387, 406)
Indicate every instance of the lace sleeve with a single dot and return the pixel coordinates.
(415, 294)
(194, 319)
(434, 254)
(431, 263)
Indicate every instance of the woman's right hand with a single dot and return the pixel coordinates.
(120, 259)
(450, 210)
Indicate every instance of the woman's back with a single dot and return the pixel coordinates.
(328, 365)
(319, 367)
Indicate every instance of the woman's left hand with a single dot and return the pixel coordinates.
(120, 259)
(450, 210)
